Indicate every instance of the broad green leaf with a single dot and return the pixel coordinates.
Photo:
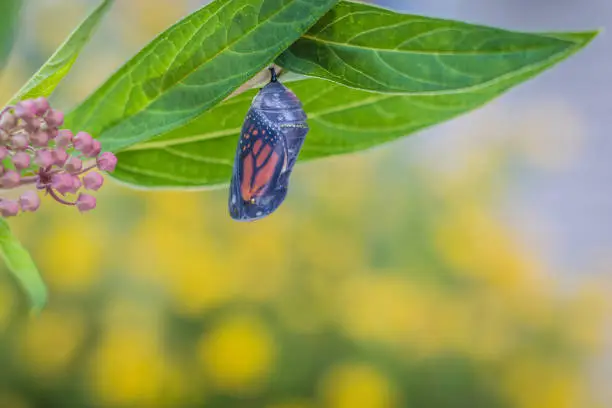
(44, 82)
(193, 66)
(376, 49)
(9, 23)
(20, 263)
(342, 120)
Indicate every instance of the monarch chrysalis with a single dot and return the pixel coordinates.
(272, 136)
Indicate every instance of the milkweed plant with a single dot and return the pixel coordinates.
(172, 116)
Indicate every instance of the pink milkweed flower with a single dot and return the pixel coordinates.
(44, 158)
(10, 179)
(62, 182)
(73, 165)
(9, 208)
(63, 138)
(93, 181)
(85, 202)
(83, 142)
(29, 201)
(107, 162)
(21, 160)
(47, 158)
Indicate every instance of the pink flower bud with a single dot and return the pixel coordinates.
(29, 201)
(107, 162)
(8, 121)
(76, 184)
(25, 109)
(44, 158)
(39, 138)
(59, 156)
(54, 118)
(9, 208)
(85, 202)
(21, 160)
(10, 179)
(3, 152)
(4, 136)
(96, 146)
(62, 182)
(73, 165)
(93, 181)
(64, 138)
(42, 105)
(19, 141)
(83, 142)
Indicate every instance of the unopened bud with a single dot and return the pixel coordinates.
(96, 147)
(25, 109)
(8, 121)
(3, 152)
(93, 181)
(9, 208)
(62, 182)
(73, 165)
(42, 105)
(83, 142)
(21, 160)
(59, 156)
(107, 162)
(76, 184)
(54, 118)
(85, 202)
(19, 142)
(44, 158)
(39, 138)
(63, 138)
(29, 201)
(4, 136)
(10, 179)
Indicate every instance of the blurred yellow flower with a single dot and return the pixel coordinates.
(357, 385)
(481, 248)
(50, 341)
(238, 354)
(536, 383)
(389, 308)
(71, 253)
(128, 368)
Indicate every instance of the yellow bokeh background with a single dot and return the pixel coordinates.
(384, 281)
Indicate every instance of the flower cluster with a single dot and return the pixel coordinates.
(34, 151)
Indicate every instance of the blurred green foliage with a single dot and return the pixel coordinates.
(9, 23)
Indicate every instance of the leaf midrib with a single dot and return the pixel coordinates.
(424, 52)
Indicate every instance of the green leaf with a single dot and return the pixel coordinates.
(193, 66)
(9, 23)
(20, 263)
(376, 49)
(342, 120)
(44, 82)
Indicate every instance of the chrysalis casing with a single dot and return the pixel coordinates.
(272, 136)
